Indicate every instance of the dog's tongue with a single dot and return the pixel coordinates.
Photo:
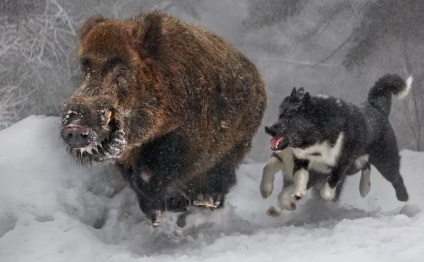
(276, 141)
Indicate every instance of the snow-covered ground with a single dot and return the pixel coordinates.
(51, 209)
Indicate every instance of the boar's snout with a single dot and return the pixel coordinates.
(76, 136)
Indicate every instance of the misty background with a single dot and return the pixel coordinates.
(339, 48)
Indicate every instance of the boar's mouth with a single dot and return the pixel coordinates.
(102, 145)
(107, 149)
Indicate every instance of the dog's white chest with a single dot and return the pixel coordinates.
(321, 155)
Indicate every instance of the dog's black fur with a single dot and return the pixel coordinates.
(336, 133)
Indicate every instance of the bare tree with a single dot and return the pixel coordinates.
(267, 13)
(35, 59)
(387, 23)
(38, 67)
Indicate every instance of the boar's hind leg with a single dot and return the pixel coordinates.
(219, 180)
(216, 185)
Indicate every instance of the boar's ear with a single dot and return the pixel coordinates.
(148, 33)
(89, 24)
(293, 96)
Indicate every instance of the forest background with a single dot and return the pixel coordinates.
(337, 48)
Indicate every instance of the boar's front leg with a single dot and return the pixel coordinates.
(152, 206)
(154, 198)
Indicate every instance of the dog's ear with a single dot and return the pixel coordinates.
(293, 96)
(306, 100)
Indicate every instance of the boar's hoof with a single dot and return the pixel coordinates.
(157, 218)
(208, 200)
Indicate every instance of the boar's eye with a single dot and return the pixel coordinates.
(85, 65)
(106, 115)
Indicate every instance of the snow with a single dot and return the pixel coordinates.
(52, 209)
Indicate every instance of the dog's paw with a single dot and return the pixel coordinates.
(402, 194)
(327, 192)
(286, 200)
(299, 195)
(288, 205)
(266, 188)
(273, 212)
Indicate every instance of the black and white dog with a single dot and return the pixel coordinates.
(320, 140)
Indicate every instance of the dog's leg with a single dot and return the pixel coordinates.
(389, 168)
(283, 161)
(288, 162)
(385, 157)
(327, 192)
(337, 175)
(274, 165)
(285, 199)
(339, 189)
(301, 178)
(365, 183)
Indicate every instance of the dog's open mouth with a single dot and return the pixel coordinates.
(278, 143)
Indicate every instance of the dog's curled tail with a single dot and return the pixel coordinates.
(380, 95)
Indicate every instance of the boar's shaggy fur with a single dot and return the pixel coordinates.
(172, 104)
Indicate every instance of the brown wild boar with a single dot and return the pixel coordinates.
(172, 104)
